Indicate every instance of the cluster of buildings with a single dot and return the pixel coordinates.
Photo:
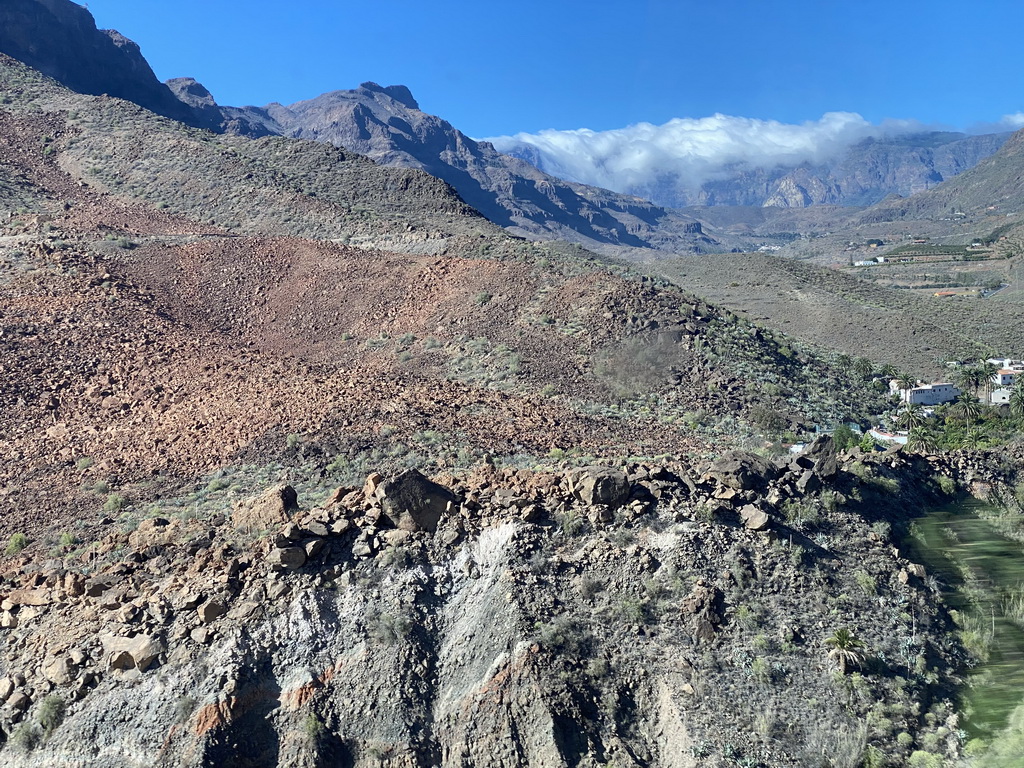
(999, 389)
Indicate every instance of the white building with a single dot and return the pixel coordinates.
(1007, 377)
(1001, 396)
(928, 394)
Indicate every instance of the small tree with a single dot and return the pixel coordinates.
(846, 649)
(910, 416)
(1017, 400)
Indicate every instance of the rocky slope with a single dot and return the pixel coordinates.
(667, 616)
(210, 346)
(992, 187)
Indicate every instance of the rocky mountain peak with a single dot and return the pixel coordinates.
(399, 93)
(191, 92)
(60, 39)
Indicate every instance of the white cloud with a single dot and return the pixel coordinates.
(689, 151)
(1012, 122)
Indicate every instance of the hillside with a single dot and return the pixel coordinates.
(308, 463)
(992, 188)
(199, 235)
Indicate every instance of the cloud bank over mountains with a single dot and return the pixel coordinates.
(688, 152)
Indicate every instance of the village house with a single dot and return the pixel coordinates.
(1001, 396)
(927, 394)
(1009, 371)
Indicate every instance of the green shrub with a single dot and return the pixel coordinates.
(866, 582)
(921, 759)
(83, 463)
(313, 727)
(67, 539)
(115, 503)
(218, 484)
(16, 543)
(25, 737)
(946, 484)
(51, 713)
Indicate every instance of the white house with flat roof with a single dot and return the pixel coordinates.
(1001, 396)
(928, 394)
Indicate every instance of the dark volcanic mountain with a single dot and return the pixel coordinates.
(993, 187)
(386, 124)
(60, 39)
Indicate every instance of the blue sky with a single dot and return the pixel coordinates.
(506, 68)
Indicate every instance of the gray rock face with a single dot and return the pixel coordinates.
(742, 471)
(60, 39)
(412, 502)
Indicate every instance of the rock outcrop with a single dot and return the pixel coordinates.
(60, 39)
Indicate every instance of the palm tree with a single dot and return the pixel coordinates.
(972, 439)
(989, 371)
(863, 367)
(912, 415)
(906, 382)
(966, 407)
(1017, 399)
(888, 372)
(922, 440)
(970, 377)
(846, 649)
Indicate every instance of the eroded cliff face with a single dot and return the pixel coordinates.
(658, 616)
(60, 39)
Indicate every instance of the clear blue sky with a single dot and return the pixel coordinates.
(493, 68)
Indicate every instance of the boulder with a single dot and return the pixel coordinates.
(270, 509)
(808, 482)
(60, 670)
(742, 470)
(137, 652)
(822, 452)
(211, 610)
(290, 558)
(30, 597)
(754, 519)
(414, 503)
(600, 485)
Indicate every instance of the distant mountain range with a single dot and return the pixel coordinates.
(60, 39)
(862, 175)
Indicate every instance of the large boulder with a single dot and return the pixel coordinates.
(742, 471)
(137, 652)
(412, 502)
(600, 485)
(822, 455)
(268, 510)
